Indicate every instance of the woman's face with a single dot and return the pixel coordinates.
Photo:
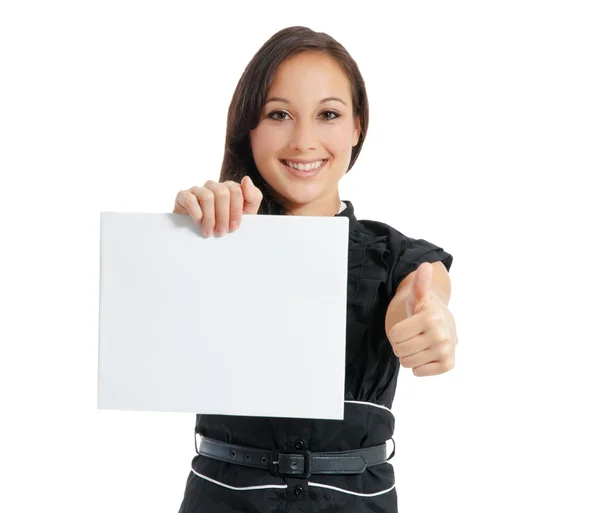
(307, 122)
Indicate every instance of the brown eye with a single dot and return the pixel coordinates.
(330, 115)
(276, 115)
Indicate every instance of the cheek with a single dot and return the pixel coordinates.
(265, 142)
(338, 140)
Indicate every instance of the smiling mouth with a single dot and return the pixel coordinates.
(306, 167)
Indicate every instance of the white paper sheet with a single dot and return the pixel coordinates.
(251, 323)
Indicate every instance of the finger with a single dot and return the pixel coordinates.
(222, 196)
(433, 368)
(252, 196)
(421, 285)
(408, 328)
(411, 346)
(206, 198)
(187, 203)
(236, 204)
(415, 360)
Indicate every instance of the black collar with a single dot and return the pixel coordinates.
(349, 213)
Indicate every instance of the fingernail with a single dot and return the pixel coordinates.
(233, 226)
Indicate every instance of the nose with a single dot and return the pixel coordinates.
(303, 137)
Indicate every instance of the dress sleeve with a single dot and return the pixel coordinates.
(409, 253)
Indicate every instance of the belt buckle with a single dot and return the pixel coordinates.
(274, 465)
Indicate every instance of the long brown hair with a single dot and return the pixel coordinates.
(251, 93)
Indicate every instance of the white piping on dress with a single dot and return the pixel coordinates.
(261, 487)
(352, 493)
(310, 483)
(372, 404)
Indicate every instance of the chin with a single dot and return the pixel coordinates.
(300, 197)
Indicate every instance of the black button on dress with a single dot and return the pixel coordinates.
(379, 258)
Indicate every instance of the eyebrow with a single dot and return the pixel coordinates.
(324, 100)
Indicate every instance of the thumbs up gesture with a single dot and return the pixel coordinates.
(425, 339)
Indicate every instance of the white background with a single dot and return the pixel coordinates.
(484, 139)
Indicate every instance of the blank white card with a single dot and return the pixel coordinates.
(250, 323)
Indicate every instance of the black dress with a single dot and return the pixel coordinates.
(379, 257)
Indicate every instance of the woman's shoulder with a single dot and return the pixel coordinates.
(379, 228)
(367, 228)
(399, 242)
(401, 251)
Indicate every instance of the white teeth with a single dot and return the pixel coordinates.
(305, 167)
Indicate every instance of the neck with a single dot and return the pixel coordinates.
(325, 207)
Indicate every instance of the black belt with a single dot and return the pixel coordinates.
(299, 464)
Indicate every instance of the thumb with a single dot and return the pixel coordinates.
(252, 196)
(420, 292)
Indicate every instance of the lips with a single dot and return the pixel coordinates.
(305, 166)
(300, 169)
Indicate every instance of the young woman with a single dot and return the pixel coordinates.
(296, 124)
